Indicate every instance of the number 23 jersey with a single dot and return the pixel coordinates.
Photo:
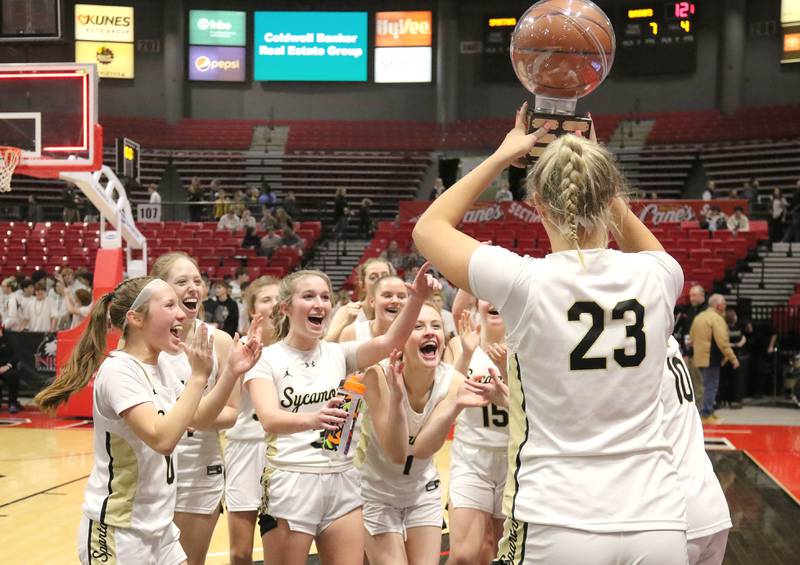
(131, 485)
(587, 448)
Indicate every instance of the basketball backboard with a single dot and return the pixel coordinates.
(49, 111)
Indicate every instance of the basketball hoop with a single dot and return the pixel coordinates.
(9, 159)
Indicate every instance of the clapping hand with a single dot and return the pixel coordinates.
(200, 352)
(394, 375)
(469, 333)
(245, 355)
(424, 285)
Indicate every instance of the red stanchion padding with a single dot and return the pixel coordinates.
(107, 275)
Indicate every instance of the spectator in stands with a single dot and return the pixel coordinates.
(252, 198)
(438, 188)
(8, 289)
(734, 195)
(708, 193)
(195, 196)
(70, 201)
(247, 219)
(268, 221)
(447, 316)
(282, 219)
(393, 255)
(24, 301)
(750, 193)
(712, 349)
(34, 212)
(503, 194)
(684, 316)
(59, 315)
(39, 310)
(239, 199)
(79, 306)
(9, 375)
(653, 196)
(251, 239)
(340, 212)
(155, 197)
(738, 221)
(289, 204)
(82, 280)
(229, 221)
(410, 274)
(731, 381)
(413, 258)
(269, 243)
(291, 239)
(793, 232)
(222, 204)
(366, 226)
(714, 220)
(779, 207)
(240, 278)
(224, 311)
(267, 198)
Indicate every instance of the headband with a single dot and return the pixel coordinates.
(144, 296)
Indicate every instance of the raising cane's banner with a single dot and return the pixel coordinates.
(651, 212)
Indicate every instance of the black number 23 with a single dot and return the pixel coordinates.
(578, 360)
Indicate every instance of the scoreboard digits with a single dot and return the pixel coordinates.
(658, 38)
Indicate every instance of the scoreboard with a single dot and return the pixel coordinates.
(656, 38)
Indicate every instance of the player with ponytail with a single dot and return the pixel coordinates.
(588, 327)
(140, 412)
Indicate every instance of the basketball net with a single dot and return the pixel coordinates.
(9, 159)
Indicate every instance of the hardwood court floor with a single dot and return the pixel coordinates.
(43, 472)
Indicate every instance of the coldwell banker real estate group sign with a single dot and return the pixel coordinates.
(104, 36)
(216, 51)
(310, 46)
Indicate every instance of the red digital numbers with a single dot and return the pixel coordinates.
(684, 9)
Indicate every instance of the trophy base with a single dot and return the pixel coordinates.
(566, 124)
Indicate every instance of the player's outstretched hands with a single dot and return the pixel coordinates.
(424, 284)
(394, 376)
(352, 309)
(498, 353)
(518, 142)
(475, 392)
(245, 355)
(200, 352)
(469, 333)
(330, 416)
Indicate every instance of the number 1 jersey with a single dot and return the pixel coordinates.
(586, 444)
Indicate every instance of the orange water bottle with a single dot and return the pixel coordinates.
(339, 442)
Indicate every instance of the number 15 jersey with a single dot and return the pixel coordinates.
(586, 447)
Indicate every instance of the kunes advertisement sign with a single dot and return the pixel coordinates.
(310, 46)
(217, 63)
(216, 27)
(403, 51)
(103, 23)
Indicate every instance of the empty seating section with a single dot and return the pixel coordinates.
(361, 135)
(771, 122)
(27, 247)
(663, 170)
(773, 163)
(706, 257)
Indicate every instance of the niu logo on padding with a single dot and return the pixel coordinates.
(45, 357)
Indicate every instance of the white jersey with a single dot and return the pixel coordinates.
(363, 331)
(38, 315)
(586, 441)
(361, 316)
(304, 381)
(131, 485)
(199, 452)
(706, 508)
(486, 427)
(383, 480)
(247, 426)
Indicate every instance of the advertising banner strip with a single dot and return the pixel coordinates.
(104, 23)
(113, 60)
(222, 64)
(217, 27)
(404, 29)
(651, 212)
(403, 64)
(310, 46)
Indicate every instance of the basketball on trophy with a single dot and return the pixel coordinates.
(562, 49)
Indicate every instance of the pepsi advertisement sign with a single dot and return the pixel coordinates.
(220, 64)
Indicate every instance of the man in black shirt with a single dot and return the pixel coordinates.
(684, 316)
(223, 312)
(8, 372)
